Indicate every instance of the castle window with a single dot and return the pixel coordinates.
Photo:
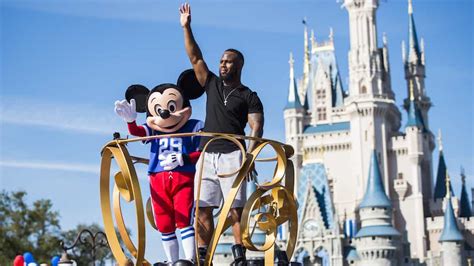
(400, 175)
(321, 113)
(321, 94)
(363, 90)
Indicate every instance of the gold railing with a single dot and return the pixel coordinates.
(271, 205)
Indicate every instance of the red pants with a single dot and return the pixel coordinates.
(172, 195)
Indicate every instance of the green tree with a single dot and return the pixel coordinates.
(23, 228)
(36, 229)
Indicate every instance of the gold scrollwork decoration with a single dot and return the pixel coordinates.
(276, 197)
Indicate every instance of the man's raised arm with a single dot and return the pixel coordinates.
(192, 48)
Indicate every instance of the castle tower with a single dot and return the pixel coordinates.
(377, 240)
(414, 221)
(451, 238)
(366, 59)
(414, 63)
(294, 115)
(325, 82)
(370, 106)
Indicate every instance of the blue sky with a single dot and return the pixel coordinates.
(65, 62)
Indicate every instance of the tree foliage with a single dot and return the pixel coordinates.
(23, 228)
(36, 229)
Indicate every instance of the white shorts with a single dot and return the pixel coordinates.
(214, 187)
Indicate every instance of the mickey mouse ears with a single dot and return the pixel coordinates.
(140, 94)
(188, 82)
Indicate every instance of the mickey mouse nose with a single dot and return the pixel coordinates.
(164, 113)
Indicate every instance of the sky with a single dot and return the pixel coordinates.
(64, 63)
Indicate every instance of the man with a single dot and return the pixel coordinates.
(229, 107)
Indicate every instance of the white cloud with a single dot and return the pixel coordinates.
(45, 165)
(65, 166)
(75, 117)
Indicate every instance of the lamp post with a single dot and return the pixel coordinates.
(64, 261)
(87, 239)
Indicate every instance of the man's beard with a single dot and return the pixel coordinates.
(227, 77)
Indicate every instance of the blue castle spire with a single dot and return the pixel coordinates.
(414, 54)
(450, 229)
(440, 187)
(293, 97)
(414, 115)
(465, 207)
(306, 101)
(375, 197)
(375, 193)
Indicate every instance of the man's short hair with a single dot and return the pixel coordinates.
(238, 53)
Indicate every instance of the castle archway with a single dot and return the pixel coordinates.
(321, 257)
(302, 256)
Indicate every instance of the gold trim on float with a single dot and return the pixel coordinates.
(271, 205)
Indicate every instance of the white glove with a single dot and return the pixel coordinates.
(126, 110)
(171, 160)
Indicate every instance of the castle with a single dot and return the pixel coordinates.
(365, 179)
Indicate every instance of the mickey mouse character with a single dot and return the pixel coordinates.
(172, 160)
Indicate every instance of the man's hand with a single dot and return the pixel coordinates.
(171, 160)
(192, 48)
(252, 174)
(126, 110)
(185, 11)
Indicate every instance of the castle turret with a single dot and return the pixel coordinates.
(364, 74)
(414, 63)
(420, 186)
(367, 62)
(417, 103)
(464, 206)
(294, 115)
(370, 106)
(440, 187)
(414, 116)
(451, 238)
(325, 82)
(294, 101)
(377, 240)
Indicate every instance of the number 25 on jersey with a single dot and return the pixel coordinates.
(171, 145)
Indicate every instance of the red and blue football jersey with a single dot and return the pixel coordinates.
(183, 145)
